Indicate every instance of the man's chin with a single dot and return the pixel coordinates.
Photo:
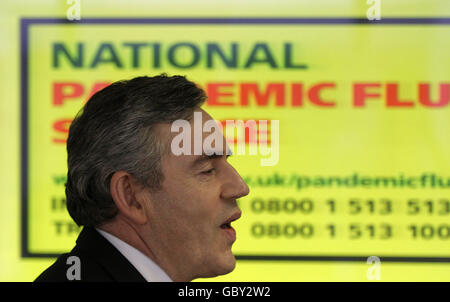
(229, 263)
(225, 265)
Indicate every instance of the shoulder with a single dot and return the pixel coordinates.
(74, 266)
(93, 258)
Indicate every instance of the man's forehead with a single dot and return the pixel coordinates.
(201, 136)
(199, 117)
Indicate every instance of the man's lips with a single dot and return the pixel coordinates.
(226, 226)
(227, 223)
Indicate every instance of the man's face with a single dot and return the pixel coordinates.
(189, 217)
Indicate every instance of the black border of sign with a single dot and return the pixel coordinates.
(25, 24)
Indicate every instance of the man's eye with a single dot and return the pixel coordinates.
(210, 171)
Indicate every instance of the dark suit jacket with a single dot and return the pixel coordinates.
(99, 259)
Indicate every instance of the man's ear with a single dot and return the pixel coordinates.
(124, 192)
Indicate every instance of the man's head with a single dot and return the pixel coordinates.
(123, 175)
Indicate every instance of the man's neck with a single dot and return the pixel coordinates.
(126, 232)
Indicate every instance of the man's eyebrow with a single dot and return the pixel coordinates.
(204, 157)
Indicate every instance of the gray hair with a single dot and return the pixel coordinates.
(115, 132)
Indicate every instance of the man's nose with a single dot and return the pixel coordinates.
(234, 186)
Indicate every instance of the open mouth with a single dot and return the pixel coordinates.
(226, 225)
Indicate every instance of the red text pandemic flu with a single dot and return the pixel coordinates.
(274, 94)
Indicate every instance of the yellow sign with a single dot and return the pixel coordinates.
(363, 125)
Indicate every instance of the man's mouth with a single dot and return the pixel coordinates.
(226, 226)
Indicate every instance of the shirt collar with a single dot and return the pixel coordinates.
(143, 264)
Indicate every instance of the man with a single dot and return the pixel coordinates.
(148, 214)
